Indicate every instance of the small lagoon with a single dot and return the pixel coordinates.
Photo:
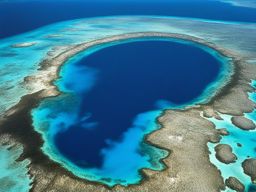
(111, 97)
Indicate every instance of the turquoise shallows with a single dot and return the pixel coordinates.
(236, 135)
(14, 175)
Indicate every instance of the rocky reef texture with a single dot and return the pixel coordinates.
(224, 154)
(249, 166)
(242, 143)
(13, 172)
(223, 132)
(184, 133)
(243, 123)
(235, 184)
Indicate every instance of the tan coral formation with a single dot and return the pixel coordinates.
(249, 166)
(235, 184)
(185, 133)
(223, 131)
(224, 153)
(243, 123)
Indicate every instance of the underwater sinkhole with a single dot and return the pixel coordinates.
(111, 97)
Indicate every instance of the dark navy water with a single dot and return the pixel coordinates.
(18, 17)
(128, 79)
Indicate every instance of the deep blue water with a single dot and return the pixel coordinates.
(128, 79)
(20, 17)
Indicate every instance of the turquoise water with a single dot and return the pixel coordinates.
(236, 135)
(13, 175)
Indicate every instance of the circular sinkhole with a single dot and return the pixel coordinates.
(111, 97)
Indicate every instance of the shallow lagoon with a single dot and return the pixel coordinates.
(13, 174)
(111, 99)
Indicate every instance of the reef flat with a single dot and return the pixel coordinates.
(184, 133)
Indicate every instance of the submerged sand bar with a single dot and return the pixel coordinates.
(21, 45)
